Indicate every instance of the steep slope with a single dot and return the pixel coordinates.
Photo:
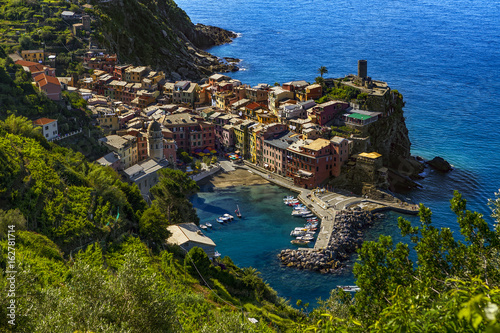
(161, 35)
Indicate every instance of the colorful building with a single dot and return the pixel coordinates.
(37, 56)
(323, 113)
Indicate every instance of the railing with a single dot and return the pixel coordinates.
(67, 135)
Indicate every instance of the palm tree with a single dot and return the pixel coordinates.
(322, 70)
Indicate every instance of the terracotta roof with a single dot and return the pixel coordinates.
(254, 105)
(42, 80)
(43, 121)
(32, 66)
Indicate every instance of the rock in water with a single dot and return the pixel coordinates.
(440, 164)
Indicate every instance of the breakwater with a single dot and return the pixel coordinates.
(346, 238)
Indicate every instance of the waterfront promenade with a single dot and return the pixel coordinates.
(325, 204)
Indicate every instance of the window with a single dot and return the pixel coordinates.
(46, 127)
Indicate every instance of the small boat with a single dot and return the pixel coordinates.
(230, 217)
(288, 197)
(299, 242)
(208, 224)
(204, 227)
(237, 211)
(349, 288)
(298, 232)
(223, 218)
(305, 238)
(216, 254)
(302, 213)
(219, 220)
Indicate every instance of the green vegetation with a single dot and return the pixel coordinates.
(343, 131)
(454, 286)
(339, 92)
(322, 70)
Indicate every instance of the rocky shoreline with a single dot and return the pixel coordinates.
(346, 239)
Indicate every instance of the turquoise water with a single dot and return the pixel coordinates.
(257, 238)
(444, 57)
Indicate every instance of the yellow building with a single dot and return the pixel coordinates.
(241, 137)
(255, 130)
(266, 118)
(33, 55)
(135, 74)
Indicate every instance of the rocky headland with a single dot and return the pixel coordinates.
(161, 35)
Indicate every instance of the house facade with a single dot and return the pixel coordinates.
(49, 127)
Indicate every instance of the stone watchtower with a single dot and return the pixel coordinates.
(362, 68)
(155, 141)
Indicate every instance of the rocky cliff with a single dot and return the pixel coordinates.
(388, 136)
(161, 35)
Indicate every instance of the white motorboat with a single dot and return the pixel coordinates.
(230, 217)
(208, 224)
(302, 213)
(204, 227)
(298, 232)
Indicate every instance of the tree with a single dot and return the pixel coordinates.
(197, 262)
(12, 220)
(214, 159)
(322, 70)
(186, 158)
(207, 160)
(383, 269)
(153, 225)
(171, 196)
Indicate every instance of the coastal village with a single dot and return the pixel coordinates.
(290, 134)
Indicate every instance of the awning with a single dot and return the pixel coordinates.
(266, 165)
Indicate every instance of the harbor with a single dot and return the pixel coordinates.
(342, 217)
(264, 231)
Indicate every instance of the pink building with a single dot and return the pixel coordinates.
(323, 113)
(310, 163)
(341, 147)
(49, 85)
(275, 152)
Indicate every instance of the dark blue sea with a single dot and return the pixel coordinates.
(444, 57)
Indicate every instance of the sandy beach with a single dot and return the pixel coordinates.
(239, 177)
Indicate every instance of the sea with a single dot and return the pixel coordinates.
(443, 56)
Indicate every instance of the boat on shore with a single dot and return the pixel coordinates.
(349, 288)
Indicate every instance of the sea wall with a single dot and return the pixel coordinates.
(347, 236)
